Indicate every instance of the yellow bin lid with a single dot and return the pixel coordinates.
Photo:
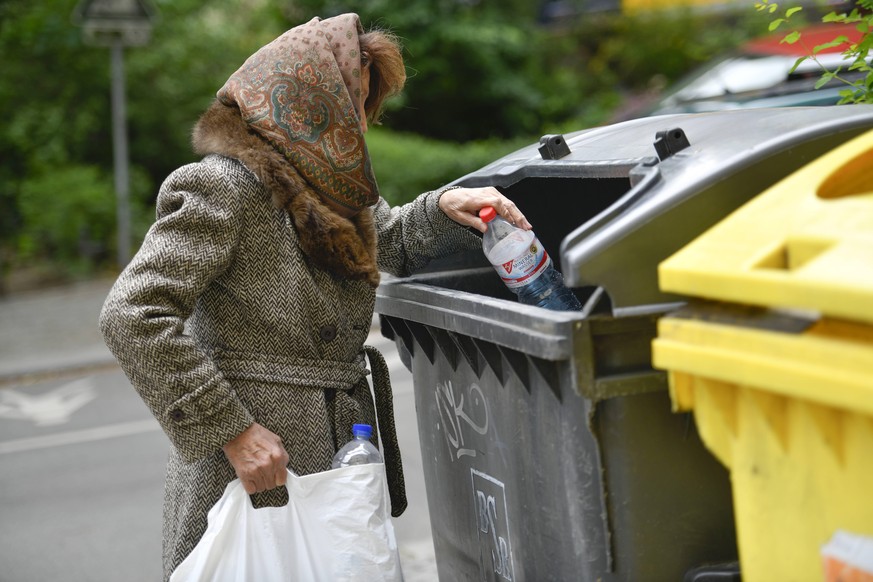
(806, 242)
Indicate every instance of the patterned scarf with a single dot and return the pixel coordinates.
(296, 92)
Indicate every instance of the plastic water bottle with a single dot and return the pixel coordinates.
(524, 265)
(359, 450)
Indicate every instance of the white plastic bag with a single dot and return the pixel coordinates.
(336, 527)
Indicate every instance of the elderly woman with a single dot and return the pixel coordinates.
(270, 250)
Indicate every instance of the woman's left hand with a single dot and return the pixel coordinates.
(463, 204)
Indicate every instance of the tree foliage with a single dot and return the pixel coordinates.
(58, 132)
(472, 66)
(859, 88)
(487, 74)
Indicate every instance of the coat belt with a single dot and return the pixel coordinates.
(310, 373)
(385, 415)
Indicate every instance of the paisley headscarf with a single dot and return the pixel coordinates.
(298, 92)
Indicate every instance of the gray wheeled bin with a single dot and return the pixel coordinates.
(549, 447)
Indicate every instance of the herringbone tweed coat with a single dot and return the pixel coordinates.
(277, 293)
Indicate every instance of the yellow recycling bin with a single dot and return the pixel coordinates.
(774, 355)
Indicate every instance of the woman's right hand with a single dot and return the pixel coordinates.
(463, 205)
(259, 459)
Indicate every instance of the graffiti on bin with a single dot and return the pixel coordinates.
(492, 522)
(459, 412)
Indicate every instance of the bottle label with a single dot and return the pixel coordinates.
(525, 267)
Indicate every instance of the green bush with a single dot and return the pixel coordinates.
(66, 211)
(603, 62)
(407, 165)
(68, 217)
(487, 75)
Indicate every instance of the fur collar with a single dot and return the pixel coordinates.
(344, 247)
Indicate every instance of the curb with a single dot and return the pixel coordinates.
(50, 372)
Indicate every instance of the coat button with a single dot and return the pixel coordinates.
(328, 333)
(177, 415)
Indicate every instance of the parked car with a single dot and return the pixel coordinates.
(759, 74)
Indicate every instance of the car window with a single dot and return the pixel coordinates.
(735, 75)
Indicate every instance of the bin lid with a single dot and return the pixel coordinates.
(732, 156)
(806, 242)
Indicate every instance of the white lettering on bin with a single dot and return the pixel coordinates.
(461, 410)
(492, 521)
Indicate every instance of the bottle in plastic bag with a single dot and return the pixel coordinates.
(359, 450)
(524, 265)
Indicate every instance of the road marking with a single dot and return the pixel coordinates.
(51, 408)
(76, 437)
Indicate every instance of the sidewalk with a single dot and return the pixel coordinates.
(53, 330)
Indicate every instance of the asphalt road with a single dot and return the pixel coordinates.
(82, 467)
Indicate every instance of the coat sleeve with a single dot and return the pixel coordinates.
(199, 222)
(411, 235)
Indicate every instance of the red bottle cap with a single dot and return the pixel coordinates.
(487, 213)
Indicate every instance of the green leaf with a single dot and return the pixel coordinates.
(836, 42)
(825, 78)
(792, 11)
(773, 8)
(791, 37)
(797, 64)
(776, 24)
(833, 17)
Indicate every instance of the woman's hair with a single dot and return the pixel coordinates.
(383, 52)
